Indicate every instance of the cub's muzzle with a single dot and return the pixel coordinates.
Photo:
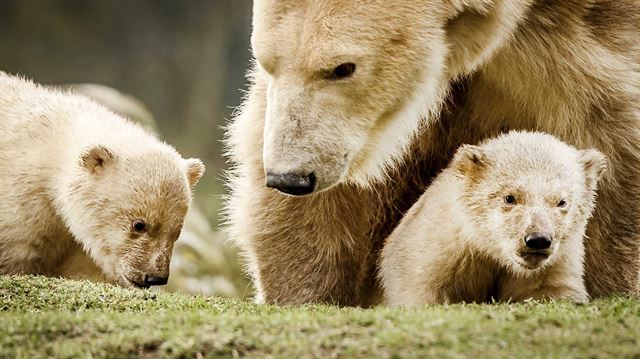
(538, 241)
(153, 280)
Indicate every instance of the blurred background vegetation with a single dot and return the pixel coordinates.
(184, 60)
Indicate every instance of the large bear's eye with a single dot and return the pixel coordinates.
(562, 203)
(343, 71)
(510, 200)
(139, 226)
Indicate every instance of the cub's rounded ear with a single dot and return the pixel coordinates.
(594, 164)
(195, 170)
(470, 160)
(96, 158)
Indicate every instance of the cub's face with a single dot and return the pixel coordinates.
(131, 212)
(531, 221)
(531, 203)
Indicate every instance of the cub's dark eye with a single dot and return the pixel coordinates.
(343, 71)
(562, 203)
(139, 226)
(510, 199)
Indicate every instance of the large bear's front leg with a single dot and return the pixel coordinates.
(303, 250)
(613, 241)
(298, 249)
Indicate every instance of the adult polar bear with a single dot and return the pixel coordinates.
(358, 104)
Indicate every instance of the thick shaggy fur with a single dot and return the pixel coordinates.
(73, 179)
(430, 76)
(464, 240)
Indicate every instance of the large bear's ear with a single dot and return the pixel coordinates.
(594, 164)
(96, 158)
(470, 160)
(195, 170)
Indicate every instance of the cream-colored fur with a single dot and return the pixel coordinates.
(429, 76)
(73, 179)
(461, 241)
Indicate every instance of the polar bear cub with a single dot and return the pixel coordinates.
(85, 193)
(505, 221)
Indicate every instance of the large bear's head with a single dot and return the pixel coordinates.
(348, 82)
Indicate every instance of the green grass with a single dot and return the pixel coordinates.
(44, 317)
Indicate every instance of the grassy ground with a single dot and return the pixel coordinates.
(42, 317)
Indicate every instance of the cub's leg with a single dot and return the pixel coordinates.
(564, 280)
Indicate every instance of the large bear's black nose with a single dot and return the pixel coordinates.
(291, 183)
(153, 280)
(538, 240)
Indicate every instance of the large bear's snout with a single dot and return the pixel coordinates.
(292, 183)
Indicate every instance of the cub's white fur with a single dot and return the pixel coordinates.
(462, 241)
(74, 177)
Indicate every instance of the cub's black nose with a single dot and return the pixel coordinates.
(538, 240)
(152, 280)
(293, 184)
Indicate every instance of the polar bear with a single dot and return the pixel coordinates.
(504, 221)
(85, 193)
(355, 106)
